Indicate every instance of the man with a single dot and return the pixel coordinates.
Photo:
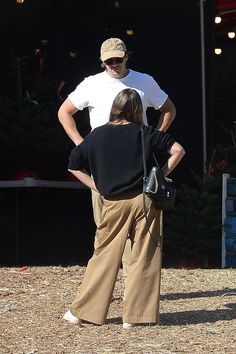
(97, 93)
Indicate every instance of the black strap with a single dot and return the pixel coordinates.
(144, 173)
(143, 153)
(144, 180)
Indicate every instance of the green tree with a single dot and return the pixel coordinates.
(30, 135)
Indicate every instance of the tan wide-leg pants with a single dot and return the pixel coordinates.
(122, 217)
(97, 202)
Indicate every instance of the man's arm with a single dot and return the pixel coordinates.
(65, 115)
(167, 116)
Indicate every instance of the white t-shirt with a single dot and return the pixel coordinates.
(97, 92)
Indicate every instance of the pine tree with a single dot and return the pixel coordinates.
(192, 233)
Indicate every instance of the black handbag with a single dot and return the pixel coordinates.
(156, 186)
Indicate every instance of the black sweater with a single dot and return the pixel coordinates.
(114, 155)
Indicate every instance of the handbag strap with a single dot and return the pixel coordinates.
(155, 159)
(144, 172)
(143, 153)
(144, 180)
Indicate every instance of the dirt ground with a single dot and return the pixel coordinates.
(198, 314)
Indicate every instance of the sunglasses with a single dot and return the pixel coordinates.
(114, 61)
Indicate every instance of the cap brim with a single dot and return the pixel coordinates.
(112, 54)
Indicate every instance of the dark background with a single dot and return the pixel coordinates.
(166, 44)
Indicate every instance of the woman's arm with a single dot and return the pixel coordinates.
(85, 179)
(176, 152)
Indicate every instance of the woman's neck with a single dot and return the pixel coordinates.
(120, 122)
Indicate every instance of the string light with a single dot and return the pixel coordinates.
(217, 19)
(72, 54)
(218, 51)
(129, 32)
(231, 34)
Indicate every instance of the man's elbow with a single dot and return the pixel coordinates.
(60, 114)
(172, 111)
(169, 110)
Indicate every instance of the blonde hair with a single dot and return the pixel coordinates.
(127, 105)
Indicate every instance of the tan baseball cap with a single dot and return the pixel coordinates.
(112, 48)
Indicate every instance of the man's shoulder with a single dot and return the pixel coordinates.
(92, 81)
(95, 77)
(139, 74)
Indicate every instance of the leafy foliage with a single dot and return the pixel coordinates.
(31, 138)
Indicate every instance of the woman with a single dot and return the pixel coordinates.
(114, 154)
